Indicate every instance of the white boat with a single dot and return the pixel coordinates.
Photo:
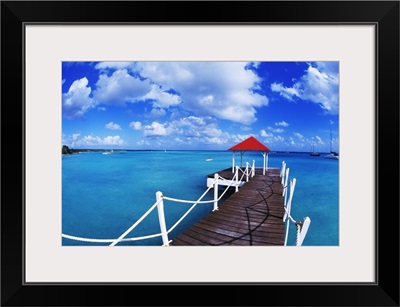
(108, 152)
(332, 155)
(313, 152)
(208, 159)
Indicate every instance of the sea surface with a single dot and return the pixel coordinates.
(104, 194)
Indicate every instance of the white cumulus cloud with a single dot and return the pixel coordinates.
(113, 65)
(220, 89)
(298, 135)
(282, 123)
(77, 101)
(90, 140)
(135, 125)
(120, 88)
(157, 113)
(156, 129)
(160, 98)
(75, 136)
(113, 126)
(319, 84)
(276, 130)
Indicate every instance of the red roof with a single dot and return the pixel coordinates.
(250, 143)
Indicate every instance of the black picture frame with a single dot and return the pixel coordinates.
(383, 14)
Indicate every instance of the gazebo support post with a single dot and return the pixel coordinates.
(265, 163)
(250, 144)
(233, 161)
(241, 158)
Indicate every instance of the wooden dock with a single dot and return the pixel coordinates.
(251, 216)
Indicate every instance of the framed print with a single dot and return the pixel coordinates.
(112, 104)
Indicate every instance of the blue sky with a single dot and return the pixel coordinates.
(200, 105)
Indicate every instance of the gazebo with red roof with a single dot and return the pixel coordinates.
(250, 144)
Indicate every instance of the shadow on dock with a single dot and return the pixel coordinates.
(252, 216)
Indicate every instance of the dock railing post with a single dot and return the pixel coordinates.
(289, 208)
(264, 163)
(253, 169)
(215, 192)
(283, 172)
(161, 218)
(247, 171)
(301, 233)
(285, 187)
(237, 179)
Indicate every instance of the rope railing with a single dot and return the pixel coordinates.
(301, 226)
(159, 205)
(136, 223)
(92, 240)
(194, 204)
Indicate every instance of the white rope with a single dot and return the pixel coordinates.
(231, 181)
(298, 227)
(136, 223)
(242, 177)
(122, 238)
(193, 201)
(244, 172)
(109, 240)
(188, 201)
(190, 209)
(290, 217)
(230, 184)
(224, 179)
(220, 177)
(183, 216)
(87, 239)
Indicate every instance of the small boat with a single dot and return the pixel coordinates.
(332, 155)
(108, 152)
(208, 159)
(313, 152)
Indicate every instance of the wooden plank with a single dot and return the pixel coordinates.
(252, 216)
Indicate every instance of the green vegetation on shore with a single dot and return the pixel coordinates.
(69, 151)
(66, 150)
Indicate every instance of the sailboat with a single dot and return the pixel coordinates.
(313, 152)
(108, 152)
(332, 154)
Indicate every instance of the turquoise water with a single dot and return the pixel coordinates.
(103, 195)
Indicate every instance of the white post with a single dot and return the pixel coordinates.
(237, 179)
(288, 204)
(247, 171)
(304, 228)
(283, 172)
(253, 169)
(161, 218)
(286, 232)
(264, 164)
(285, 183)
(266, 161)
(288, 207)
(215, 192)
(233, 162)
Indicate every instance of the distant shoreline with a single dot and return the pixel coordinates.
(83, 150)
